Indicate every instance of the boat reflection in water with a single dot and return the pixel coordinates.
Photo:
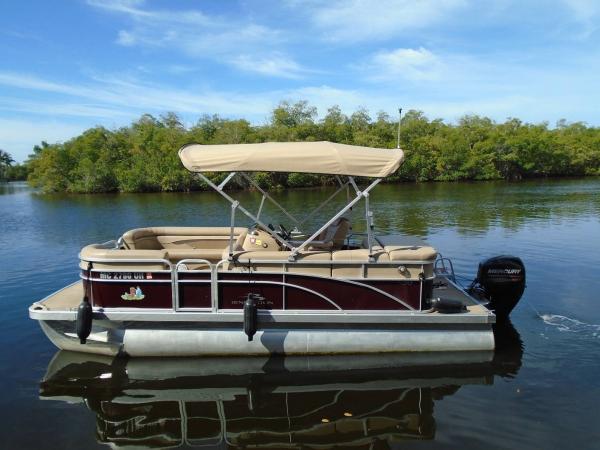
(366, 401)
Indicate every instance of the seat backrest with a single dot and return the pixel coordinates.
(335, 234)
(141, 239)
(156, 238)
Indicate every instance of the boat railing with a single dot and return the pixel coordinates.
(214, 269)
(443, 266)
(286, 263)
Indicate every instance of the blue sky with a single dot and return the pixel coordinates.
(68, 65)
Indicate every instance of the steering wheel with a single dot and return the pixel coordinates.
(257, 226)
(285, 234)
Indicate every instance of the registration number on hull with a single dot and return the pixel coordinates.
(125, 276)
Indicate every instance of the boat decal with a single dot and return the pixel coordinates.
(135, 293)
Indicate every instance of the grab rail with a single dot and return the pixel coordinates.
(183, 262)
(443, 270)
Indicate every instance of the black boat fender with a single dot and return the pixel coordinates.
(251, 315)
(448, 306)
(84, 320)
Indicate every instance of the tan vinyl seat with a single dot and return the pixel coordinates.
(155, 238)
(423, 258)
(141, 239)
(332, 237)
(411, 253)
(169, 243)
(214, 255)
(361, 256)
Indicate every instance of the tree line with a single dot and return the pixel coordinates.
(9, 171)
(142, 157)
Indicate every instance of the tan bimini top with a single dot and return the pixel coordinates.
(306, 157)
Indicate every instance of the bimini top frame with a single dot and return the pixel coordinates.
(305, 157)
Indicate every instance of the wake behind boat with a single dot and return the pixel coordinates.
(258, 290)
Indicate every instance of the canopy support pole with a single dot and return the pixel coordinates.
(369, 222)
(359, 196)
(318, 208)
(353, 183)
(226, 180)
(262, 203)
(264, 193)
(244, 210)
(234, 206)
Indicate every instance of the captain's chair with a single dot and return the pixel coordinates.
(333, 237)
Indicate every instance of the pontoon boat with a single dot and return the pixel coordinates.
(184, 291)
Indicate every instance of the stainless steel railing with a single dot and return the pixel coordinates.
(215, 268)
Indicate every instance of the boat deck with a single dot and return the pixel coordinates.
(65, 299)
(443, 288)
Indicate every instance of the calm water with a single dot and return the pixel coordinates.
(541, 390)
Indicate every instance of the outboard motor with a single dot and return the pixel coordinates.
(500, 280)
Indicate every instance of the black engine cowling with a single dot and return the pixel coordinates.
(501, 280)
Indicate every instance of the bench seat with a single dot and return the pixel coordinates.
(200, 238)
(404, 255)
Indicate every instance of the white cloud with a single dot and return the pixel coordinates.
(180, 69)
(137, 96)
(583, 10)
(143, 96)
(27, 81)
(358, 20)
(240, 43)
(587, 13)
(412, 64)
(218, 41)
(324, 96)
(58, 108)
(276, 64)
(133, 8)
(126, 39)
(497, 106)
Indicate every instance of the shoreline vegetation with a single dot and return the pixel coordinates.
(142, 157)
(10, 171)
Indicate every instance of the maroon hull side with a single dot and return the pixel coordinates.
(194, 290)
(304, 292)
(118, 289)
(280, 291)
(110, 295)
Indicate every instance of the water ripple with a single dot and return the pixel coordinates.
(570, 325)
